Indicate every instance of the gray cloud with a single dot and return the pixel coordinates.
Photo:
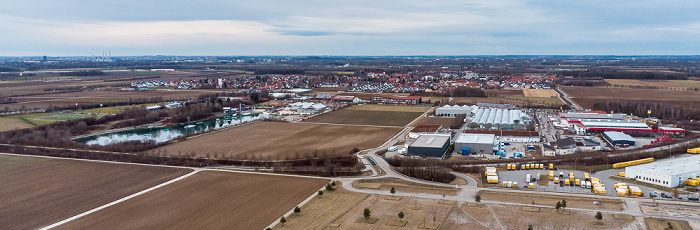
(363, 27)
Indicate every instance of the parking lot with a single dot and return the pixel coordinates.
(520, 176)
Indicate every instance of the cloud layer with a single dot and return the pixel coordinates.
(444, 27)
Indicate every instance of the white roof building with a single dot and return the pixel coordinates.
(668, 172)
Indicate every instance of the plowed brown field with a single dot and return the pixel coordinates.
(384, 115)
(278, 140)
(207, 200)
(587, 96)
(40, 193)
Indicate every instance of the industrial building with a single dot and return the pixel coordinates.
(430, 145)
(394, 99)
(668, 173)
(476, 143)
(456, 110)
(596, 123)
(500, 118)
(424, 129)
(618, 138)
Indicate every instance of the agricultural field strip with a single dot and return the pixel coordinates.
(321, 123)
(195, 170)
(119, 201)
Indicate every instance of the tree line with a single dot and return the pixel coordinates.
(640, 108)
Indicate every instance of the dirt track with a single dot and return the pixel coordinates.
(43, 193)
(207, 200)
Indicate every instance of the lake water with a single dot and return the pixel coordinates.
(164, 134)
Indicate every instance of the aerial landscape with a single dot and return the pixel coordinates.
(271, 115)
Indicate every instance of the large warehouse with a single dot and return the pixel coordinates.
(618, 138)
(456, 110)
(668, 173)
(477, 143)
(500, 118)
(430, 145)
(597, 123)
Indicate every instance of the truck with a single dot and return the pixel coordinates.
(551, 175)
(515, 184)
(571, 176)
(527, 178)
(586, 177)
(492, 179)
(561, 174)
(621, 174)
(556, 180)
(531, 185)
(551, 166)
(510, 184)
(522, 167)
(578, 182)
(588, 184)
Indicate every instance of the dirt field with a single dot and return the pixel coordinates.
(624, 82)
(383, 115)
(444, 121)
(280, 140)
(321, 211)
(587, 96)
(515, 217)
(404, 186)
(572, 202)
(37, 193)
(207, 200)
(540, 93)
(654, 224)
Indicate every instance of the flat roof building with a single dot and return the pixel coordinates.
(618, 138)
(477, 143)
(668, 172)
(430, 145)
(395, 99)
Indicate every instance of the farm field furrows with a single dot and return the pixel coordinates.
(587, 96)
(446, 122)
(382, 115)
(41, 192)
(282, 140)
(207, 200)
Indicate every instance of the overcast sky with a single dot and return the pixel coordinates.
(349, 27)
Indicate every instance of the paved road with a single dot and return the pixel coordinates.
(565, 98)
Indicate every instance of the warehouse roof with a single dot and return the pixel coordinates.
(475, 138)
(618, 136)
(673, 166)
(593, 116)
(431, 140)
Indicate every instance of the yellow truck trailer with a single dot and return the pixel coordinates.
(578, 182)
(522, 167)
(586, 177)
(551, 166)
(556, 180)
(492, 179)
(620, 185)
(622, 174)
(691, 182)
(634, 162)
(571, 176)
(531, 185)
(635, 191)
(551, 175)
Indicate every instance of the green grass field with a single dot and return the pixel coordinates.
(38, 119)
(687, 83)
(12, 123)
(8, 82)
